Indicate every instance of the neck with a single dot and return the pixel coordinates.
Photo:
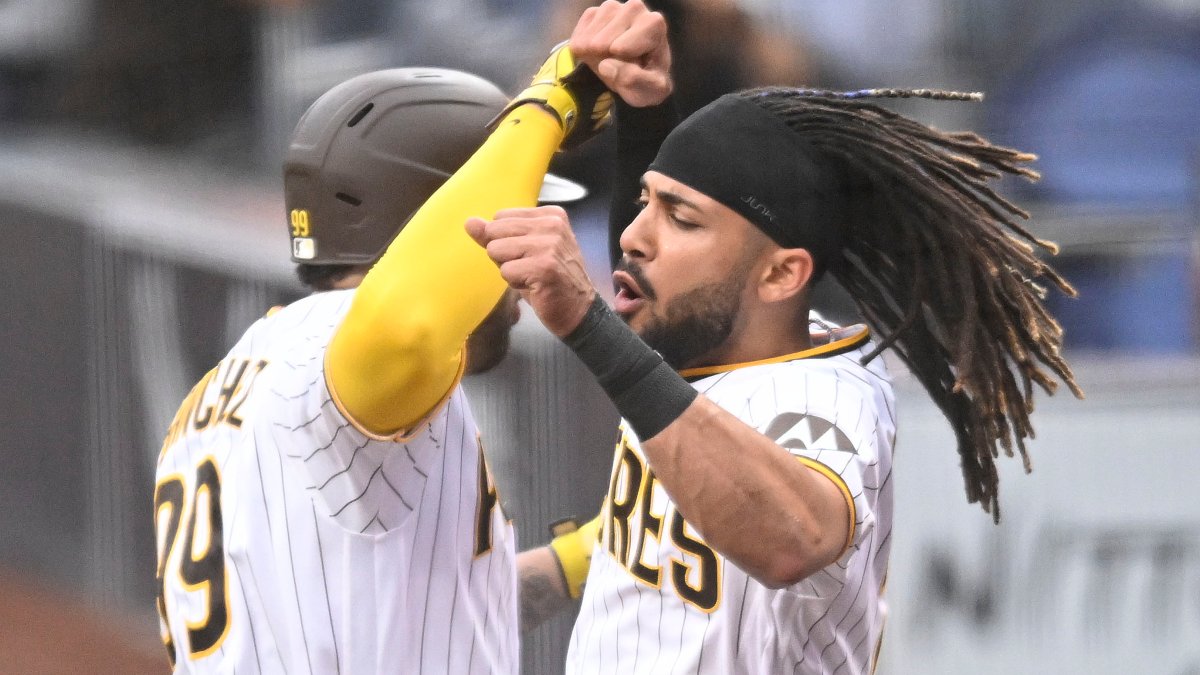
(350, 280)
(762, 337)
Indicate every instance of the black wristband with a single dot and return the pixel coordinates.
(645, 390)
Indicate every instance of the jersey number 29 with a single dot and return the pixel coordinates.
(196, 557)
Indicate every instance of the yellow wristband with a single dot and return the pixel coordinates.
(571, 92)
(574, 551)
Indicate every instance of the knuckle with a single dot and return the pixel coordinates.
(540, 267)
(507, 273)
(624, 48)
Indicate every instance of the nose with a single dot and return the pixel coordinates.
(637, 239)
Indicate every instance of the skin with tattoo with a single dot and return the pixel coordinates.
(543, 591)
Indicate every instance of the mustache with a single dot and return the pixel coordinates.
(625, 264)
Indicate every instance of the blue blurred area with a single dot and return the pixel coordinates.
(1109, 105)
(1143, 304)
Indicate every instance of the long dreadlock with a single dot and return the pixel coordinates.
(937, 263)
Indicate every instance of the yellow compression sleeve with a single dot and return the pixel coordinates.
(400, 349)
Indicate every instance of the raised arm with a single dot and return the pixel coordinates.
(626, 45)
(400, 349)
(640, 132)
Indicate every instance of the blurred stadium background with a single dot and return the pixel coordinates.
(143, 230)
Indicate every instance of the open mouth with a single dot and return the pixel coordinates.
(629, 296)
(625, 286)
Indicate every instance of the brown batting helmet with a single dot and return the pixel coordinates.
(369, 152)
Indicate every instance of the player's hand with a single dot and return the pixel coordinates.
(568, 89)
(625, 44)
(539, 257)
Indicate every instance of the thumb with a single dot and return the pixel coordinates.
(477, 230)
(608, 70)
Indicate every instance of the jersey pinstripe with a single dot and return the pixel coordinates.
(658, 600)
(291, 542)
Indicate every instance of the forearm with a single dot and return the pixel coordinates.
(552, 576)
(543, 590)
(640, 132)
(399, 349)
(751, 500)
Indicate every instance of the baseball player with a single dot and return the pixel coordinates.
(749, 512)
(323, 501)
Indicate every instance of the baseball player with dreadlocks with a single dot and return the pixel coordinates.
(748, 520)
(323, 503)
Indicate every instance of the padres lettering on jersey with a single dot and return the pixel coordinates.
(694, 576)
(291, 542)
(660, 600)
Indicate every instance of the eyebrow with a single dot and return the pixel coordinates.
(671, 198)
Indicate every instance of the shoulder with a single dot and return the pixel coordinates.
(309, 319)
(815, 374)
(316, 309)
(825, 383)
(837, 381)
(832, 402)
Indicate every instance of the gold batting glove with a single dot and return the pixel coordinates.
(571, 92)
(573, 544)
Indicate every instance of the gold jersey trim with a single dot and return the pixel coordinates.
(832, 348)
(841, 484)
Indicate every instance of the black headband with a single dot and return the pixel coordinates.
(749, 160)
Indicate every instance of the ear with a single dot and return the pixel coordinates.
(786, 274)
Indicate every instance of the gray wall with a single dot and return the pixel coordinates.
(1095, 567)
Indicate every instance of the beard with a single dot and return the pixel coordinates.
(488, 344)
(696, 322)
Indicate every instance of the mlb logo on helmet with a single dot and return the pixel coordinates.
(304, 248)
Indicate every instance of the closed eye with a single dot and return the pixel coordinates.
(681, 223)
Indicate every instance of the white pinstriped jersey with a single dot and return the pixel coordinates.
(658, 600)
(290, 542)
